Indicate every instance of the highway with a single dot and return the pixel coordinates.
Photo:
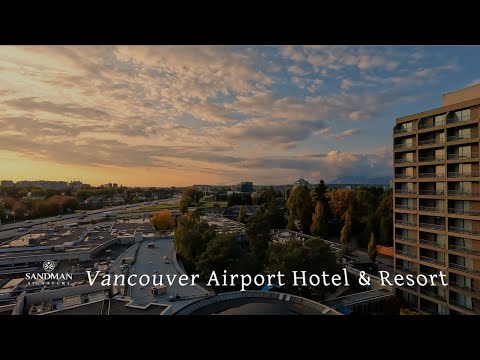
(11, 230)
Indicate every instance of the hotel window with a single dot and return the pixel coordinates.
(461, 115)
(407, 126)
(439, 120)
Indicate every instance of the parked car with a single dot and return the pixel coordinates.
(22, 229)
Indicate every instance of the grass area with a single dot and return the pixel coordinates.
(209, 204)
(81, 211)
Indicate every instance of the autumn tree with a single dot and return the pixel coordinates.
(319, 221)
(340, 200)
(347, 227)
(300, 208)
(163, 220)
(372, 248)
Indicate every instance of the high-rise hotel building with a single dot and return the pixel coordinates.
(437, 203)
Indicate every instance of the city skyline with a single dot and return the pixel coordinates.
(183, 115)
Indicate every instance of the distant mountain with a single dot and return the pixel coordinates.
(381, 180)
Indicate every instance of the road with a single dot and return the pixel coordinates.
(11, 230)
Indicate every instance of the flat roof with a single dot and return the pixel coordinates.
(438, 111)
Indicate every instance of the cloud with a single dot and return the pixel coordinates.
(297, 70)
(346, 133)
(205, 108)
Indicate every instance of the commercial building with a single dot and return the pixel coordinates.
(7, 183)
(437, 203)
(44, 184)
(246, 187)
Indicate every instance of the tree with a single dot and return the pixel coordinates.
(372, 248)
(347, 228)
(385, 213)
(183, 207)
(340, 200)
(242, 215)
(163, 220)
(23, 193)
(320, 191)
(300, 208)
(2, 213)
(224, 253)
(312, 256)
(319, 221)
(192, 194)
(191, 239)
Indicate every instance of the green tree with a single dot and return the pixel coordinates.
(372, 248)
(319, 221)
(23, 193)
(347, 227)
(191, 239)
(242, 215)
(320, 191)
(300, 208)
(185, 202)
(38, 193)
(2, 213)
(224, 253)
(312, 256)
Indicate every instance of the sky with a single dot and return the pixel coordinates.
(184, 115)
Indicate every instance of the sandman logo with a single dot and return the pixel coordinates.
(49, 265)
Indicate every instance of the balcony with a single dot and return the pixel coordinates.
(431, 142)
(461, 230)
(404, 176)
(463, 174)
(473, 155)
(405, 191)
(461, 137)
(458, 119)
(430, 243)
(462, 193)
(431, 293)
(405, 222)
(431, 209)
(464, 212)
(405, 270)
(402, 130)
(433, 125)
(463, 306)
(431, 158)
(432, 226)
(432, 260)
(403, 146)
(405, 207)
(432, 175)
(459, 286)
(406, 254)
(432, 192)
(463, 249)
(404, 161)
(405, 238)
(464, 268)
